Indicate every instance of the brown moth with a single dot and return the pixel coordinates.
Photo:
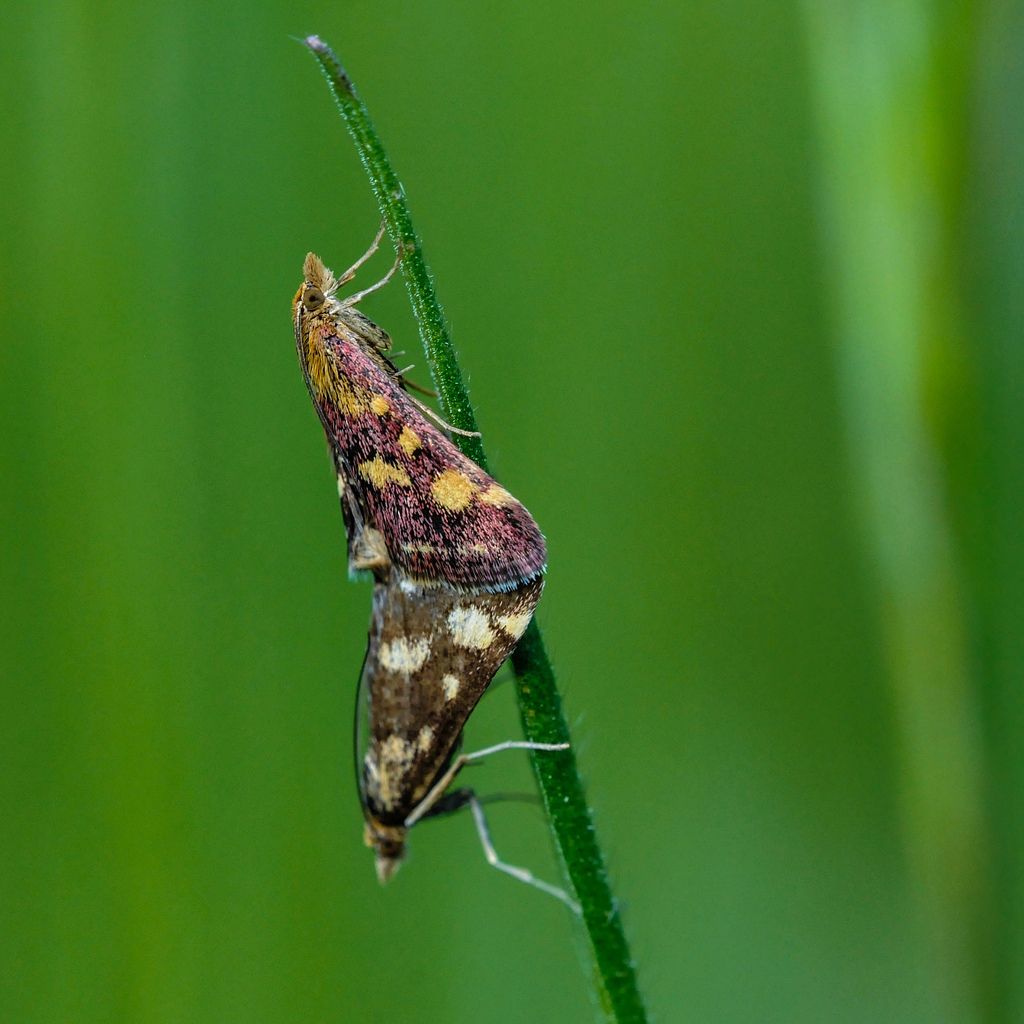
(457, 564)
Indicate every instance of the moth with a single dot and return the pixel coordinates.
(457, 564)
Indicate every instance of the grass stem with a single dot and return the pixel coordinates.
(540, 706)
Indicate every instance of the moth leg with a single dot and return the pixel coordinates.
(374, 246)
(449, 804)
(368, 550)
(436, 792)
(399, 375)
(510, 869)
(353, 300)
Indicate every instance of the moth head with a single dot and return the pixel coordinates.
(388, 844)
(319, 284)
(312, 298)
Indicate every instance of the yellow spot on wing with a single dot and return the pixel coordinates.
(453, 490)
(496, 495)
(377, 472)
(326, 379)
(321, 373)
(346, 399)
(409, 441)
(380, 405)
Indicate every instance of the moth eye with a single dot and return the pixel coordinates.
(312, 297)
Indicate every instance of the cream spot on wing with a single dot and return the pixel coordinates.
(395, 749)
(417, 585)
(409, 441)
(470, 627)
(377, 473)
(384, 779)
(453, 490)
(450, 684)
(341, 486)
(424, 739)
(418, 548)
(496, 495)
(380, 405)
(515, 625)
(404, 655)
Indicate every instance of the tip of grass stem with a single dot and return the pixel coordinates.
(329, 62)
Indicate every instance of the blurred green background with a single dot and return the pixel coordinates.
(739, 290)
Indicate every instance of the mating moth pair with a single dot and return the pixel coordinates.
(457, 564)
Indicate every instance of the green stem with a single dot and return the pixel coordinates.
(540, 706)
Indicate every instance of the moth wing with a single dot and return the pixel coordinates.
(431, 654)
(440, 515)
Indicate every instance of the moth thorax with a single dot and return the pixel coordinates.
(388, 844)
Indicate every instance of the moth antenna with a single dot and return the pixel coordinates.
(447, 426)
(374, 246)
(354, 300)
